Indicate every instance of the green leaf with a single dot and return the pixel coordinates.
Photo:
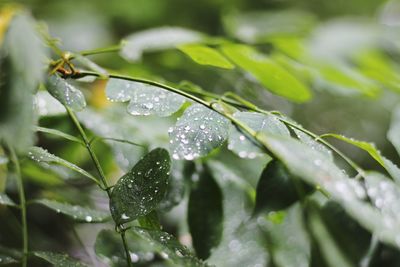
(275, 189)
(66, 93)
(140, 191)
(86, 62)
(77, 213)
(314, 144)
(156, 39)
(5, 200)
(288, 240)
(243, 145)
(394, 130)
(314, 168)
(59, 134)
(144, 99)
(269, 73)
(205, 214)
(4, 260)
(21, 70)
(46, 105)
(58, 259)
(197, 133)
(42, 156)
(205, 55)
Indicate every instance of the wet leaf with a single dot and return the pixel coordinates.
(176, 187)
(42, 156)
(87, 63)
(66, 93)
(394, 130)
(144, 99)
(156, 39)
(275, 189)
(5, 260)
(314, 168)
(78, 213)
(140, 191)
(314, 144)
(269, 73)
(243, 145)
(197, 133)
(58, 259)
(46, 105)
(5, 200)
(205, 214)
(205, 55)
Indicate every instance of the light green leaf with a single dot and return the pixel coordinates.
(197, 133)
(314, 144)
(5, 260)
(269, 73)
(316, 169)
(42, 156)
(58, 259)
(77, 213)
(205, 55)
(156, 39)
(243, 145)
(140, 191)
(46, 105)
(21, 70)
(66, 93)
(86, 62)
(144, 99)
(5, 200)
(289, 241)
(205, 214)
(59, 134)
(394, 130)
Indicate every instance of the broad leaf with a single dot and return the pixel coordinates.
(314, 168)
(140, 191)
(5, 200)
(288, 240)
(21, 70)
(58, 259)
(46, 105)
(42, 156)
(394, 130)
(269, 73)
(314, 144)
(66, 93)
(176, 186)
(156, 39)
(197, 133)
(144, 99)
(276, 189)
(205, 214)
(243, 145)
(205, 55)
(5, 260)
(78, 213)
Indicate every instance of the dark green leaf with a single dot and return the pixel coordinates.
(77, 213)
(197, 133)
(144, 99)
(267, 72)
(205, 55)
(66, 93)
(276, 189)
(140, 191)
(58, 259)
(205, 214)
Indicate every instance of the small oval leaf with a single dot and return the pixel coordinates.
(66, 93)
(144, 99)
(140, 191)
(197, 133)
(205, 55)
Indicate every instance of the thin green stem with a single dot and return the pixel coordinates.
(102, 50)
(58, 133)
(22, 204)
(241, 125)
(103, 178)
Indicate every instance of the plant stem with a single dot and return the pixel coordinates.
(102, 50)
(100, 171)
(22, 204)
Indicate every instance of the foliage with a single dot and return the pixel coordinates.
(184, 147)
